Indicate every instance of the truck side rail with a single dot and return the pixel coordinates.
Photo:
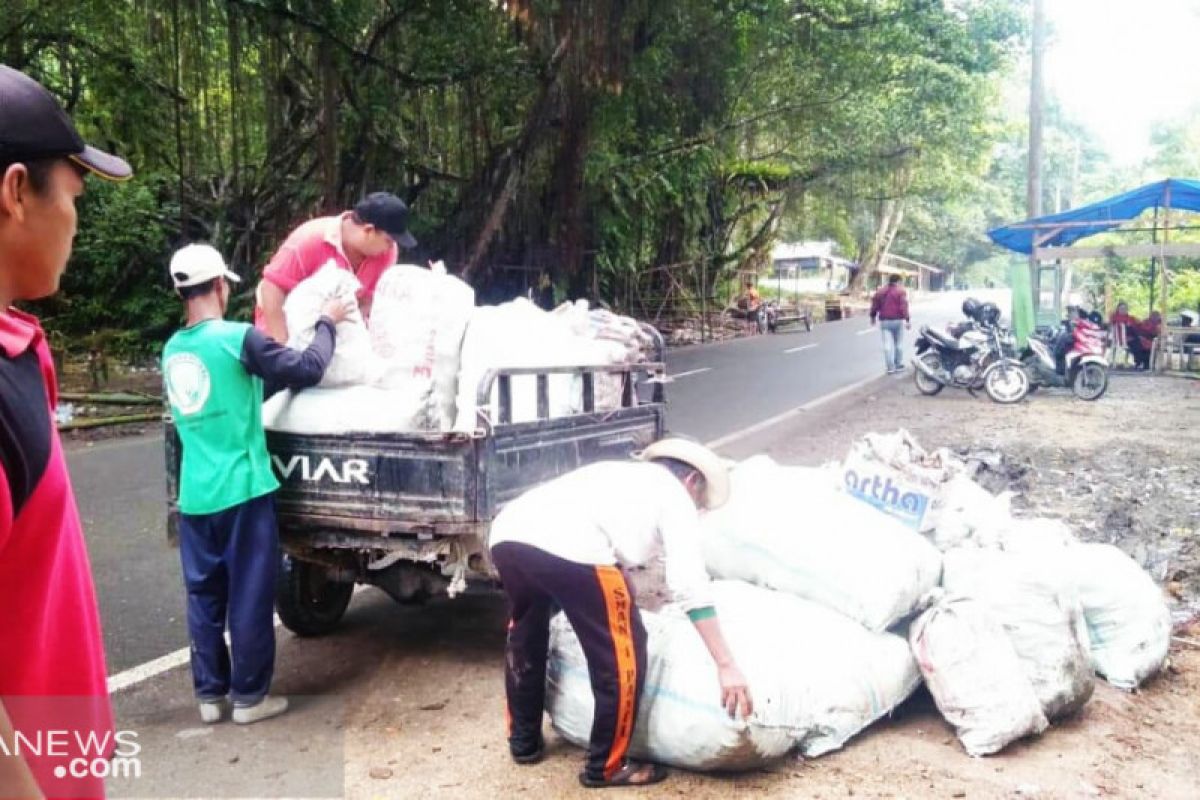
(501, 379)
(647, 372)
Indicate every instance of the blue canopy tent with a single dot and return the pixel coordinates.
(1068, 227)
(1049, 238)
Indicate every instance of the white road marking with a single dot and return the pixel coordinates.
(865, 331)
(144, 672)
(786, 415)
(689, 372)
(801, 347)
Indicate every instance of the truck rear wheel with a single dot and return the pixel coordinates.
(307, 601)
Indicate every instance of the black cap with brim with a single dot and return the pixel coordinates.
(388, 213)
(102, 164)
(403, 239)
(34, 126)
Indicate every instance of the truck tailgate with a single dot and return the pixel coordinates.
(383, 482)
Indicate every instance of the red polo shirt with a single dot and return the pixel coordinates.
(52, 672)
(310, 247)
(890, 302)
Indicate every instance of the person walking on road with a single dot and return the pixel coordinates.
(562, 545)
(217, 374)
(52, 668)
(890, 307)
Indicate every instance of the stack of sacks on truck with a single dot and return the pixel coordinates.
(519, 334)
(602, 338)
(348, 397)
(391, 377)
(418, 320)
(353, 362)
(838, 604)
(417, 365)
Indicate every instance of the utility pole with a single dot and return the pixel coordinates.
(1033, 195)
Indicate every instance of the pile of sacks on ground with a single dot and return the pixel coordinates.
(417, 366)
(841, 589)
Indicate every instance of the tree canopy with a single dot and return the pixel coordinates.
(637, 152)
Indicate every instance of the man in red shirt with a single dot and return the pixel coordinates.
(364, 241)
(890, 306)
(52, 671)
(1141, 339)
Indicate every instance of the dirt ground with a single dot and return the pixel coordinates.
(1067, 458)
(1122, 470)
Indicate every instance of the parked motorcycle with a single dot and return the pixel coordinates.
(977, 354)
(1083, 368)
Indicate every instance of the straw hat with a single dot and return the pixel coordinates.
(706, 462)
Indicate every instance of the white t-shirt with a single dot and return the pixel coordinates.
(614, 512)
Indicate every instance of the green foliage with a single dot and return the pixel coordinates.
(603, 141)
(117, 275)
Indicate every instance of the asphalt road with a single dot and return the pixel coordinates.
(716, 391)
(121, 490)
(719, 390)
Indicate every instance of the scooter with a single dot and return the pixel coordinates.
(1084, 368)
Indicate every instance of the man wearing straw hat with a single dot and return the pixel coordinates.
(562, 545)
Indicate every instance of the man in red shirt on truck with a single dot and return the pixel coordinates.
(364, 241)
(53, 680)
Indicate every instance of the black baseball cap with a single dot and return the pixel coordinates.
(34, 126)
(388, 213)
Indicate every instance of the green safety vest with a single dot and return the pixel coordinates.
(217, 408)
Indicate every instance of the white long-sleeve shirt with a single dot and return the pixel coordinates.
(614, 512)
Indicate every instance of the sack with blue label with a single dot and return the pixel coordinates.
(892, 473)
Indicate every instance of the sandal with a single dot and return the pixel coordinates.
(627, 775)
(532, 757)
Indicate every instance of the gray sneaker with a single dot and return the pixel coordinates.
(264, 709)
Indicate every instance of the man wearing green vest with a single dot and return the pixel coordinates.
(217, 374)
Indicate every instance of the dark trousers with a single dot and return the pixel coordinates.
(599, 604)
(230, 560)
(1141, 353)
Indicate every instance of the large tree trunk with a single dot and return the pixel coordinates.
(505, 175)
(569, 177)
(888, 218)
(328, 153)
(886, 229)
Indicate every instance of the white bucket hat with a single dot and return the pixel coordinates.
(706, 462)
(197, 263)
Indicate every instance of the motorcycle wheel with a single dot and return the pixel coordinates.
(1091, 382)
(1006, 383)
(925, 384)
